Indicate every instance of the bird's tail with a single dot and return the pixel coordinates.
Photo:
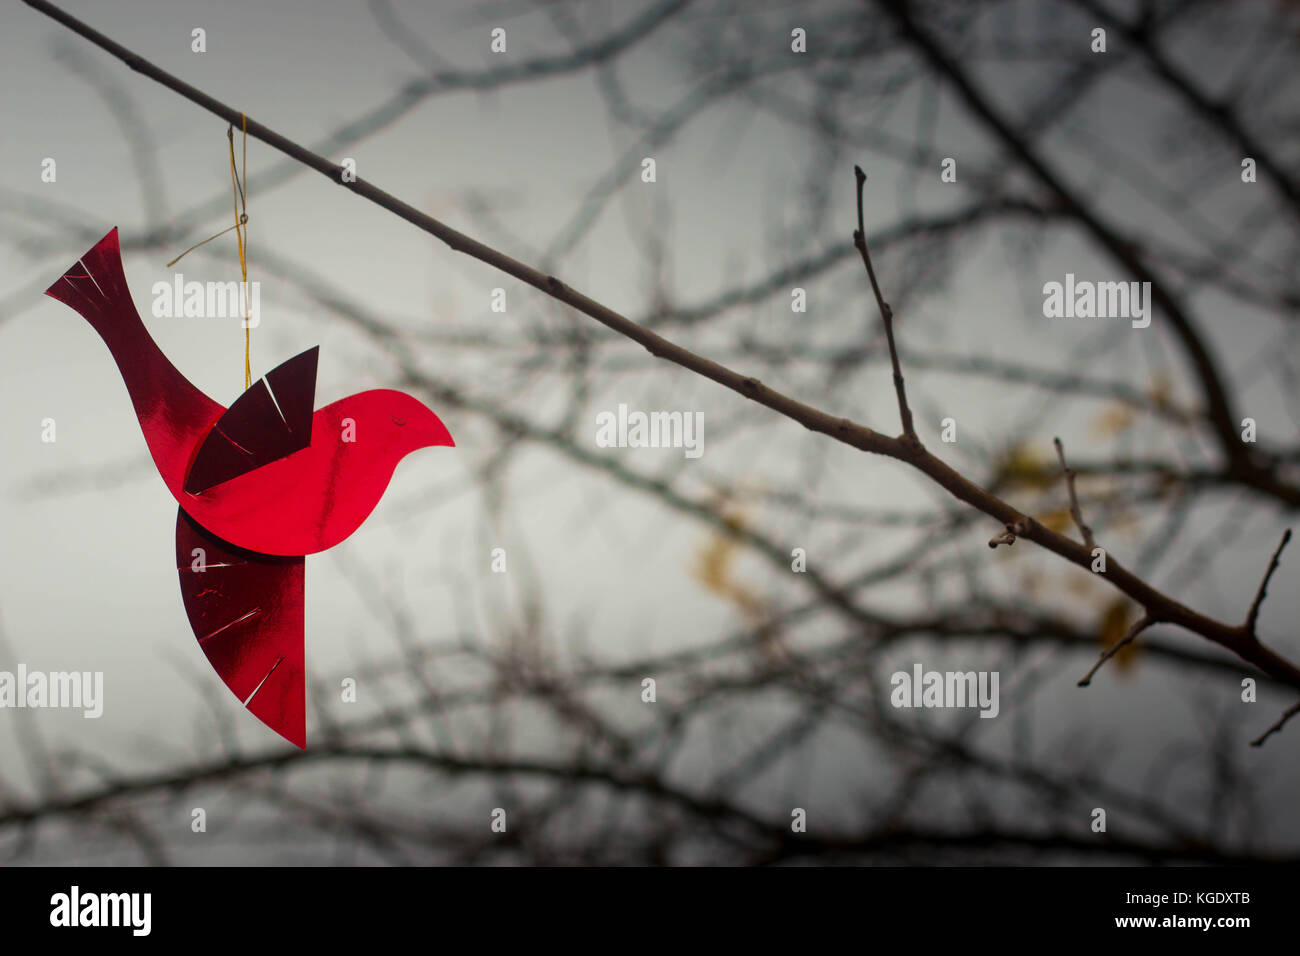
(95, 286)
(174, 415)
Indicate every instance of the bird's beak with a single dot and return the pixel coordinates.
(425, 430)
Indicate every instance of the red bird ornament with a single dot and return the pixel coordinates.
(260, 485)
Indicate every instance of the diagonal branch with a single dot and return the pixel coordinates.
(1253, 615)
(1215, 111)
(1138, 627)
(1252, 618)
(1277, 725)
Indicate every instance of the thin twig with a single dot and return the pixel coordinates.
(1277, 726)
(886, 313)
(1253, 615)
(1075, 511)
(1009, 533)
(1142, 624)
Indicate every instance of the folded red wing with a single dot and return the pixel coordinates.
(246, 609)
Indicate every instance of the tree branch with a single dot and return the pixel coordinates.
(1277, 726)
(886, 313)
(1217, 113)
(1141, 625)
(1253, 615)
(1075, 511)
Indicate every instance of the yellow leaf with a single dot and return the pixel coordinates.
(1024, 466)
(1113, 420)
(1115, 622)
(1058, 520)
(1084, 585)
(1161, 391)
(714, 561)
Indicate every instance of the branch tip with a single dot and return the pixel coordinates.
(1075, 511)
(1009, 533)
(1252, 616)
(1138, 627)
(1277, 724)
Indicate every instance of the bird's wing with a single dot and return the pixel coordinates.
(269, 421)
(246, 609)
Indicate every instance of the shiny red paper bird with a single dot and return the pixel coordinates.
(260, 485)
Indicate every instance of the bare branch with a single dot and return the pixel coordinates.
(1009, 533)
(1075, 511)
(1253, 615)
(886, 313)
(1216, 113)
(1277, 726)
(1142, 624)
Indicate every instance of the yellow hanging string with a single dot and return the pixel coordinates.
(238, 182)
(237, 185)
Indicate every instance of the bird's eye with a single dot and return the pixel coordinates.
(399, 422)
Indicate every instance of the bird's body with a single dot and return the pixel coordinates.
(314, 498)
(260, 484)
(295, 504)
